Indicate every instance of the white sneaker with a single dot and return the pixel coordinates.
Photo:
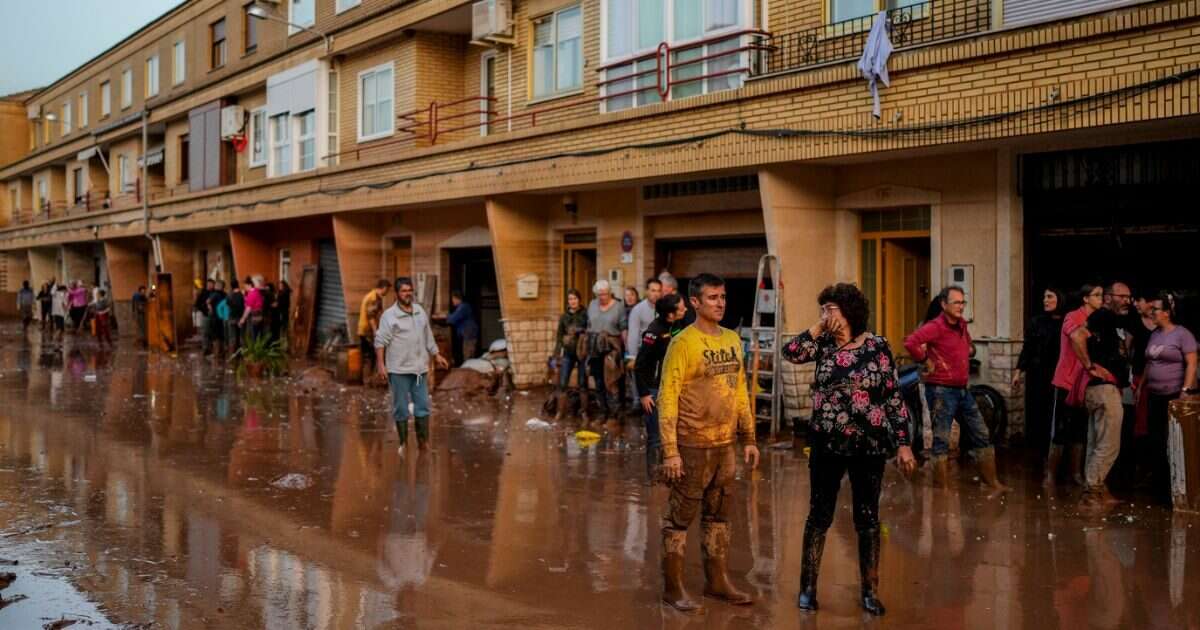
(400, 450)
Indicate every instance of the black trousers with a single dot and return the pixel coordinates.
(825, 478)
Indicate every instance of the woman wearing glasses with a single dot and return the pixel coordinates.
(859, 420)
(1170, 373)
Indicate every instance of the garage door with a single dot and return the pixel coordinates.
(735, 260)
(331, 304)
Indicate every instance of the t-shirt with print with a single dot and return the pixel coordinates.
(1106, 345)
(702, 398)
(1166, 361)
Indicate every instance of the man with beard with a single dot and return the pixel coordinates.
(403, 344)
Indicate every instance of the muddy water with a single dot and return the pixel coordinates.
(137, 489)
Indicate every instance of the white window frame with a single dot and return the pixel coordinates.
(122, 174)
(484, 105)
(556, 92)
(179, 62)
(40, 190)
(745, 20)
(285, 264)
(292, 30)
(333, 90)
(66, 117)
(76, 186)
(126, 88)
(152, 76)
(300, 139)
(390, 66)
(105, 98)
(287, 159)
(259, 123)
(346, 5)
(83, 109)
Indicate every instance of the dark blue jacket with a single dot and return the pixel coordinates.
(463, 321)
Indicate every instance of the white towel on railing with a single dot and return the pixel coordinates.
(873, 63)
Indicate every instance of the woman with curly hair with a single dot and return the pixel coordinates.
(859, 420)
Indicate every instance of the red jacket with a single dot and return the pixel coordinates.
(948, 345)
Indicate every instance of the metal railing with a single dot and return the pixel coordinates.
(912, 25)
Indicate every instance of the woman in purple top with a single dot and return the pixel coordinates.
(1170, 372)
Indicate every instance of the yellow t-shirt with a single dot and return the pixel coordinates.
(370, 311)
(702, 400)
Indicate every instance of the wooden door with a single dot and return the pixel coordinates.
(402, 259)
(581, 272)
(905, 288)
(304, 302)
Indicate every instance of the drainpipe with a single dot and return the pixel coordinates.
(154, 244)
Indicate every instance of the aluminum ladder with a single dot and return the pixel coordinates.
(765, 344)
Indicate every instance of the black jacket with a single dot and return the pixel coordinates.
(647, 368)
(1043, 340)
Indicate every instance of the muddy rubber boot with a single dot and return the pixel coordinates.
(1052, 461)
(987, 470)
(1076, 464)
(810, 566)
(562, 400)
(422, 432)
(653, 459)
(940, 466)
(674, 543)
(715, 549)
(868, 566)
(402, 433)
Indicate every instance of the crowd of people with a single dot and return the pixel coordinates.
(61, 309)
(250, 309)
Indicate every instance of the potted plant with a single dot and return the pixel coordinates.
(261, 355)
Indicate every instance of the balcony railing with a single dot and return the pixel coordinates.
(911, 25)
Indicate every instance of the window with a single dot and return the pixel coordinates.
(342, 5)
(179, 63)
(78, 186)
(557, 53)
(123, 174)
(635, 28)
(285, 265)
(184, 157)
(258, 137)
(66, 118)
(375, 98)
(217, 36)
(83, 109)
(13, 201)
(249, 30)
(842, 10)
(152, 76)
(307, 139)
(332, 123)
(126, 88)
(281, 145)
(301, 12)
(43, 199)
(105, 99)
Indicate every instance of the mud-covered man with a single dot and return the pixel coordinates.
(703, 404)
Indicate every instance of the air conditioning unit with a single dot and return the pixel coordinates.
(233, 121)
(491, 21)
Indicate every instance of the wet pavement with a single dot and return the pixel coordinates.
(138, 490)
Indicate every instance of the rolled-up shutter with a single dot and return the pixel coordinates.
(1031, 11)
(331, 305)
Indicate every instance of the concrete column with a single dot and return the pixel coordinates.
(177, 261)
(78, 263)
(806, 231)
(18, 271)
(43, 265)
(251, 254)
(520, 233)
(1010, 276)
(127, 270)
(360, 257)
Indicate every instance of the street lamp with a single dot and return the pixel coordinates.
(261, 13)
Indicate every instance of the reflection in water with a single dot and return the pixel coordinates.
(166, 466)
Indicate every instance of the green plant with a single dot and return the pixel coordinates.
(264, 351)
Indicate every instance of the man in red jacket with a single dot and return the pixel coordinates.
(944, 345)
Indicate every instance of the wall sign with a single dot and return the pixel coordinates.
(627, 241)
(527, 286)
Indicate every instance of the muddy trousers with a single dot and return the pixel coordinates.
(608, 397)
(1105, 414)
(406, 388)
(825, 480)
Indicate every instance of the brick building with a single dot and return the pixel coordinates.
(1020, 144)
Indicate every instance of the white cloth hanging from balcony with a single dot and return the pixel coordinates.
(873, 63)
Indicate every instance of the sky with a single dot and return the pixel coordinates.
(46, 39)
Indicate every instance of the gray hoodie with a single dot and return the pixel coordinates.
(407, 339)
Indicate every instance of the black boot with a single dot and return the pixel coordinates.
(868, 566)
(422, 432)
(810, 566)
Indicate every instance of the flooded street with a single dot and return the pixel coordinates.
(137, 490)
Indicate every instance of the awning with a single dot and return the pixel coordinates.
(155, 156)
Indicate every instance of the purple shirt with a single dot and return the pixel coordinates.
(1165, 362)
(78, 297)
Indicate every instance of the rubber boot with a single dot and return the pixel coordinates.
(562, 400)
(585, 411)
(653, 460)
(402, 433)
(1076, 464)
(715, 549)
(810, 566)
(422, 432)
(987, 469)
(674, 543)
(940, 466)
(1053, 458)
(868, 566)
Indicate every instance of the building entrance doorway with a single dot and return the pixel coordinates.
(896, 271)
(579, 265)
(401, 258)
(473, 272)
(735, 260)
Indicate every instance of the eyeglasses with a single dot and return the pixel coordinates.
(830, 308)
(957, 303)
(1124, 296)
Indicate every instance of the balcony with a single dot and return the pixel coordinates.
(912, 25)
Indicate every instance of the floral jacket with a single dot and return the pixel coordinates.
(857, 405)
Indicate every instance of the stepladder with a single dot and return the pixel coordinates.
(763, 344)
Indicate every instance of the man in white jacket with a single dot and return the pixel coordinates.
(403, 345)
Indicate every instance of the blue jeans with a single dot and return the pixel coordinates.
(947, 404)
(567, 363)
(406, 387)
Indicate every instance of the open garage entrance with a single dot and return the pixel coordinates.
(734, 259)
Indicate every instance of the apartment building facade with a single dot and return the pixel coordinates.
(517, 149)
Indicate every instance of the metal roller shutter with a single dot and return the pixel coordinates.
(1030, 11)
(331, 304)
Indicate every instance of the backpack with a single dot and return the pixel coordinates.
(223, 310)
